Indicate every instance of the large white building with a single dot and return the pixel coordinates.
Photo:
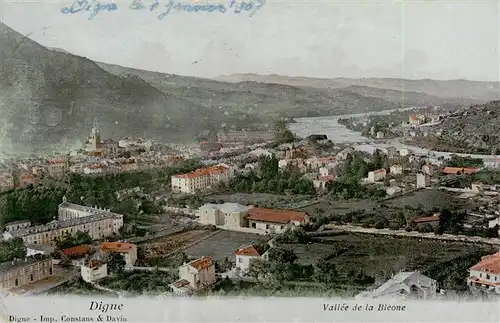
(486, 274)
(227, 214)
(202, 179)
(377, 175)
(69, 211)
(97, 222)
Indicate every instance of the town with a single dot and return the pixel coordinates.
(261, 211)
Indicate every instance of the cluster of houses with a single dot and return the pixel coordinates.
(40, 240)
(97, 157)
(423, 118)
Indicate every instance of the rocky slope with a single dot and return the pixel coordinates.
(475, 130)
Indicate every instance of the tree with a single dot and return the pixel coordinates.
(325, 272)
(68, 240)
(283, 134)
(282, 255)
(12, 249)
(116, 263)
(282, 264)
(258, 268)
(65, 261)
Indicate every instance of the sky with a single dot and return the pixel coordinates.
(410, 39)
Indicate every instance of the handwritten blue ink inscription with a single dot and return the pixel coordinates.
(94, 7)
(163, 10)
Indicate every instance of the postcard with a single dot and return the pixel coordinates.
(249, 161)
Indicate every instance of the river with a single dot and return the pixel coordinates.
(337, 133)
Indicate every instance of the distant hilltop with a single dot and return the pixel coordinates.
(451, 89)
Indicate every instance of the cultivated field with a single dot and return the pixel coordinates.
(380, 257)
(223, 244)
(428, 199)
(172, 243)
(330, 205)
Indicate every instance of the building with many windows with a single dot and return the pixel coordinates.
(68, 211)
(201, 179)
(21, 272)
(98, 223)
(486, 274)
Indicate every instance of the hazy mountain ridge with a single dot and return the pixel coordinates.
(49, 97)
(36, 81)
(450, 91)
(257, 100)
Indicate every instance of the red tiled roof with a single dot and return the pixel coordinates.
(117, 246)
(426, 219)
(326, 178)
(275, 216)
(464, 170)
(202, 263)
(249, 251)
(78, 251)
(490, 264)
(217, 169)
(380, 170)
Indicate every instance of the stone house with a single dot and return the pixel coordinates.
(93, 270)
(195, 275)
(231, 215)
(245, 254)
(126, 249)
(275, 221)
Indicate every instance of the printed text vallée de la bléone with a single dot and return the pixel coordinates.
(163, 10)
